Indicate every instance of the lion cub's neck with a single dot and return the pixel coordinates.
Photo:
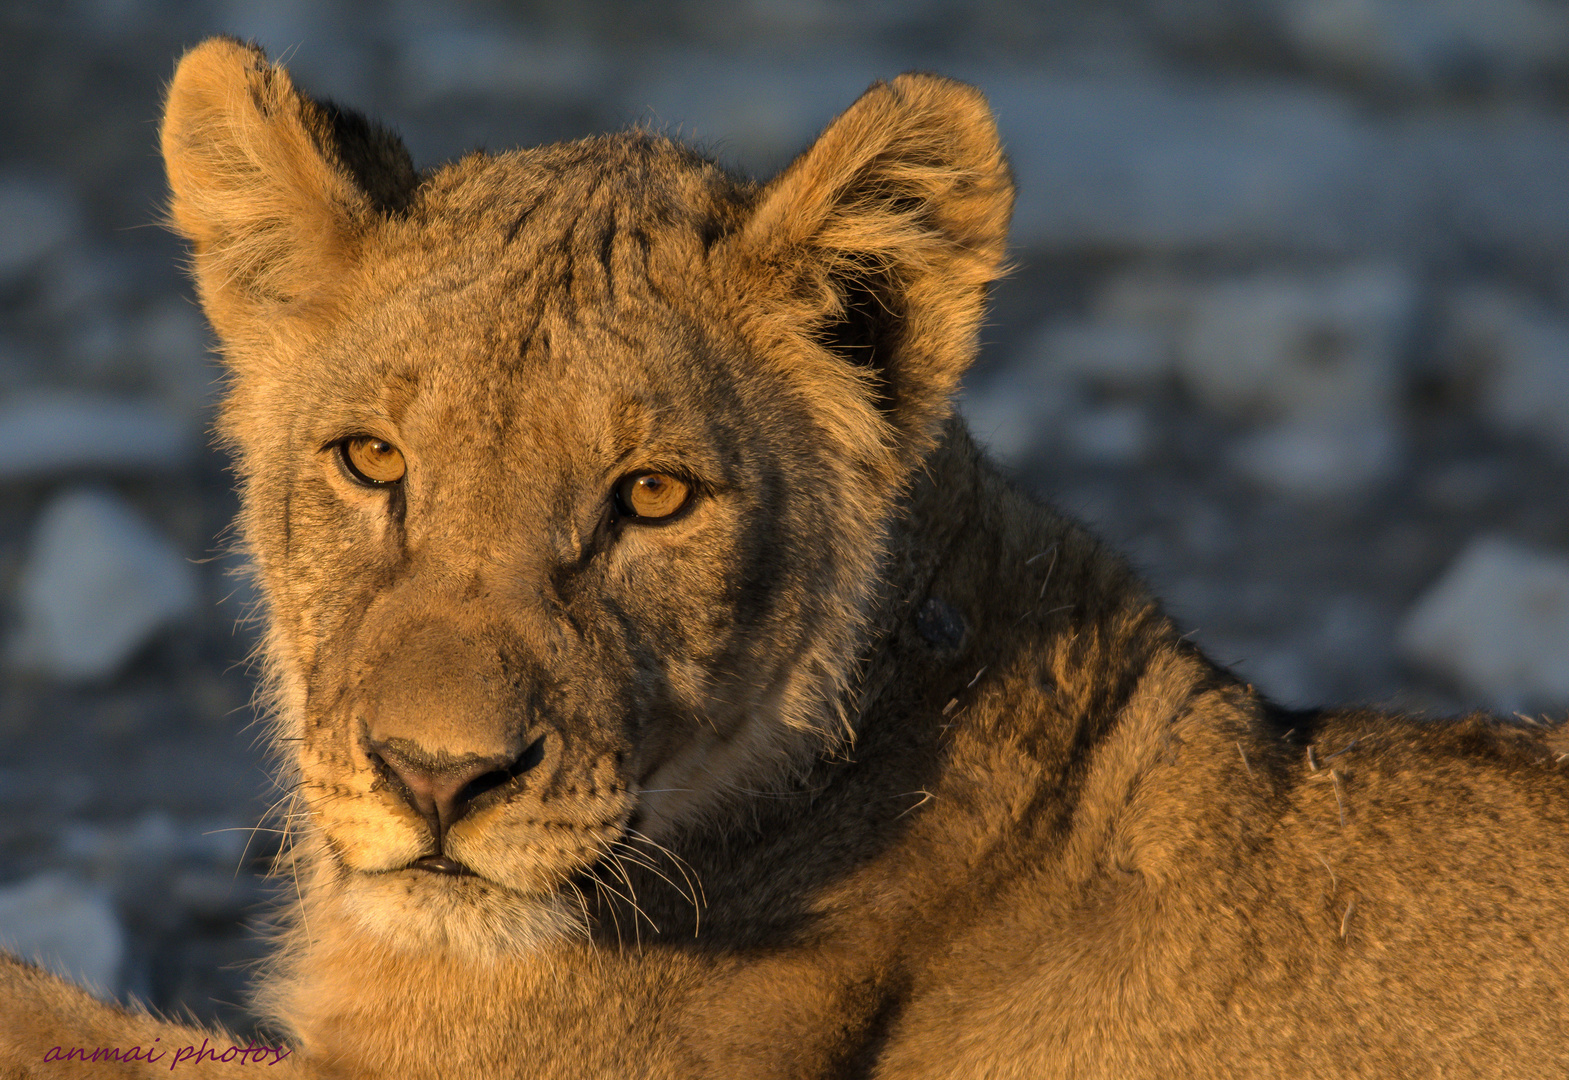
(1008, 646)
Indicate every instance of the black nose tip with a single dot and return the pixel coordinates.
(442, 789)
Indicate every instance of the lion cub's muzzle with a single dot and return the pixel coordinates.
(442, 789)
(468, 759)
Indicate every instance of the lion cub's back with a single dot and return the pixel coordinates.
(1408, 904)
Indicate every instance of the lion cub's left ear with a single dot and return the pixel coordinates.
(878, 243)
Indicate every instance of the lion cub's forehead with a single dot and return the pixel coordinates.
(566, 208)
(470, 371)
(538, 295)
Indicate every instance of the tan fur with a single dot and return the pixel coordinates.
(864, 764)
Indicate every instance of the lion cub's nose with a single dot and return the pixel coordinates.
(441, 789)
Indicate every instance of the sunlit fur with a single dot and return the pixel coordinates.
(864, 764)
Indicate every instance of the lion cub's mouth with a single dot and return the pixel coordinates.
(442, 864)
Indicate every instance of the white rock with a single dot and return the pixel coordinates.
(97, 585)
(1297, 346)
(67, 927)
(1517, 355)
(35, 222)
(1315, 460)
(45, 435)
(1497, 623)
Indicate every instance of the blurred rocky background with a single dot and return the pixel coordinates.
(1290, 326)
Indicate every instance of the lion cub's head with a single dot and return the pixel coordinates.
(567, 472)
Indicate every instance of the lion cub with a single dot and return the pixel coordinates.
(669, 688)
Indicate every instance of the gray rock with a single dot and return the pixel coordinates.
(1280, 346)
(1144, 164)
(1517, 357)
(1428, 41)
(47, 435)
(1108, 435)
(1273, 346)
(1310, 459)
(1285, 674)
(1496, 623)
(755, 116)
(1315, 360)
(1351, 628)
(1279, 669)
(35, 222)
(1108, 354)
(17, 368)
(1150, 164)
(1492, 178)
(487, 62)
(1152, 300)
(281, 25)
(1465, 486)
(213, 894)
(152, 840)
(1005, 424)
(110, 20)
(81, 282)
(97, 585)
(171, 341)
(66, 926)
(330, 47)
(1012, 412)
(96, 349)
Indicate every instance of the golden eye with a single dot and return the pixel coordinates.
(651, 496)
(372, 461)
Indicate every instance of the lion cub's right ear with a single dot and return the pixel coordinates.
(274, 190)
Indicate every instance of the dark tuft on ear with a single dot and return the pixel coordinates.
(374, 156)
(877, 245)
(862, 325)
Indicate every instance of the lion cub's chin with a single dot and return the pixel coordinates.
(417, 911)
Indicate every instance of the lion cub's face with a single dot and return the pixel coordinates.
(562, 569)
(567, 472)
